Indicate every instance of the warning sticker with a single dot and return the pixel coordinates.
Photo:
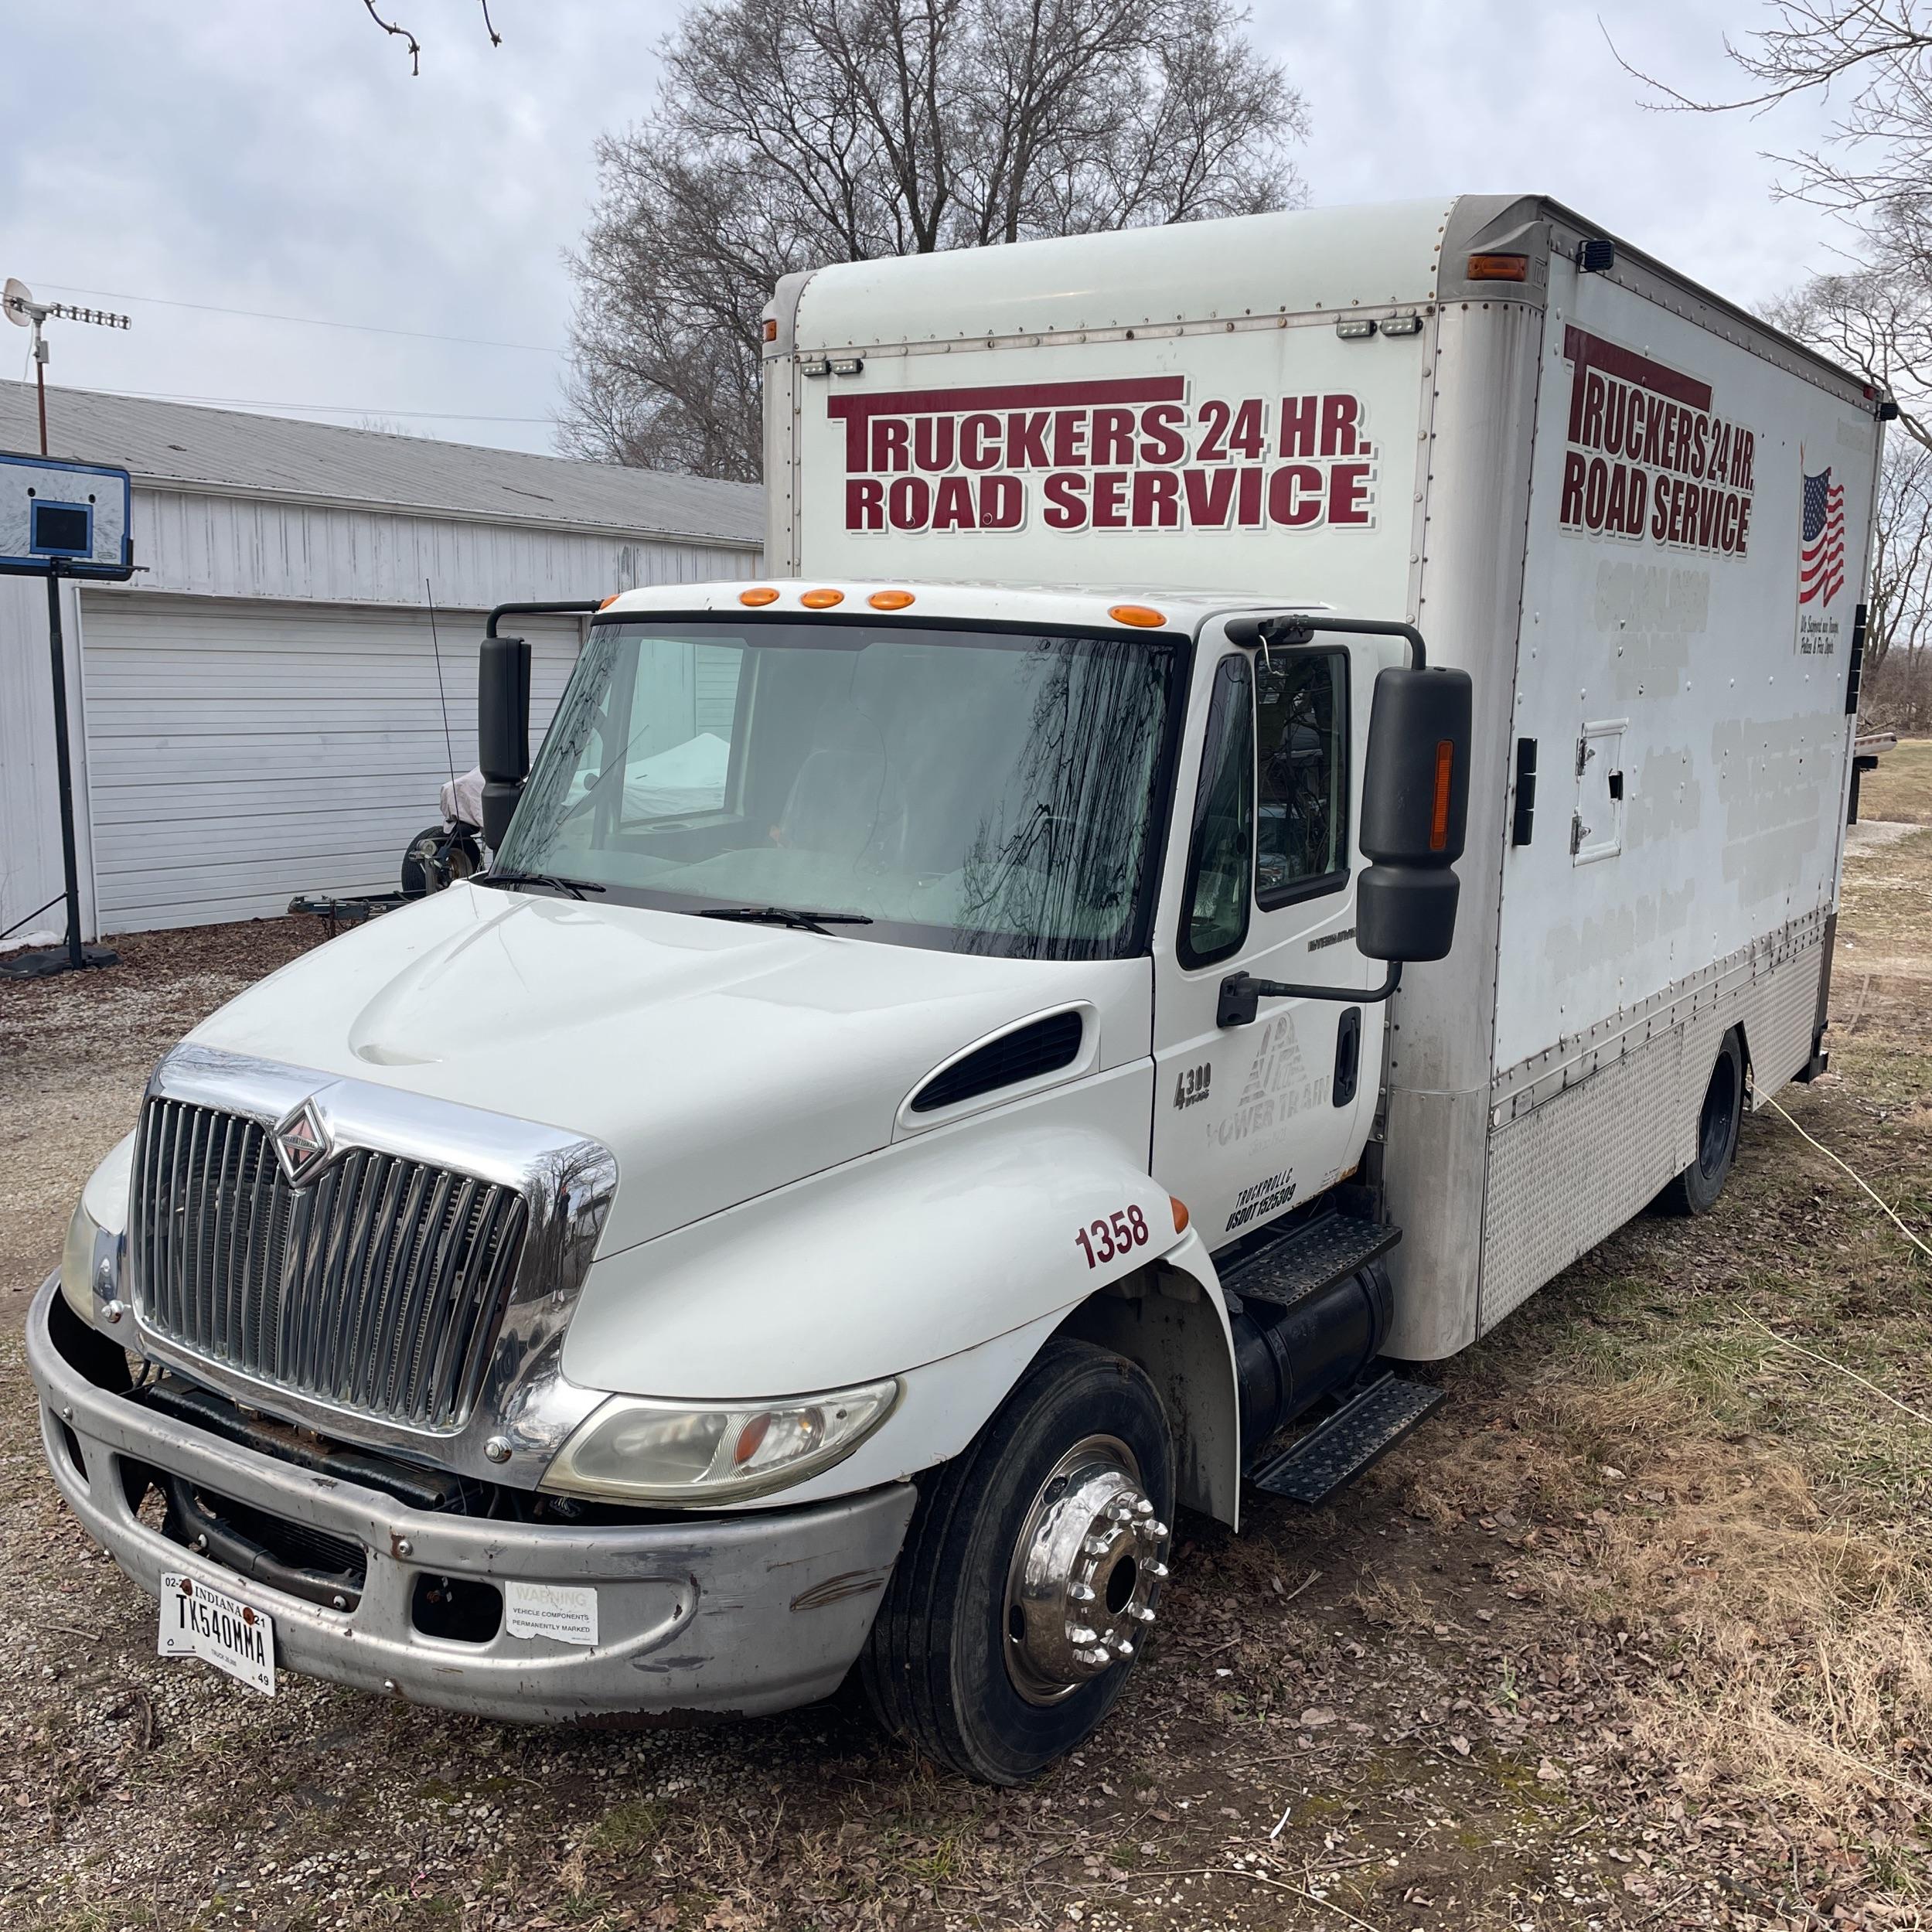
(563, 1612)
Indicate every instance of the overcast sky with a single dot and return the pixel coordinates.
(279, 158)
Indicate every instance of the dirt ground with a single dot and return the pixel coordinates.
(1636, 1631)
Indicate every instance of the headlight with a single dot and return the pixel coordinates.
(640, 1450)
(85, 1242)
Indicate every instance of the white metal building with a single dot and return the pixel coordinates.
(261, 711)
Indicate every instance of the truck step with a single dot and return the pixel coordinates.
(1362, 1432)
(1309, 1257)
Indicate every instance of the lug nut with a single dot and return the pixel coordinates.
(1157, 1571)
(1080, 1593)
(1123, 1646)
(1144, 1508)
(1096, 1546)
(1140, 1613)
(1151, 1531)
(1119, 1512)
(1099, 1654)
(1080, 1636)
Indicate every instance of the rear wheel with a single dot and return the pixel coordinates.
(1031, 1571)
(1695, 1190)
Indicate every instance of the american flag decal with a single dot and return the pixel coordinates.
(1821, 568)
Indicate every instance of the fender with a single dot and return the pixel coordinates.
(1172, 1319)
(947, 1260)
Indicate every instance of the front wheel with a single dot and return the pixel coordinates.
(1030, 1573)
(1695, 1190)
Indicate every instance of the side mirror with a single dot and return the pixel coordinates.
(503, 731)
(1415, 811)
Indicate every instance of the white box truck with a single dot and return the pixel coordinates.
(930, 1086)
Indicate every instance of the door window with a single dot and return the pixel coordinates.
(1220, 855)
(1301, 707)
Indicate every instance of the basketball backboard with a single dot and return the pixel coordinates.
(69, 518)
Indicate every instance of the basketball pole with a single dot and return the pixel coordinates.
(63, 769)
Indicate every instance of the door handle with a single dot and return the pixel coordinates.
(1241, 994)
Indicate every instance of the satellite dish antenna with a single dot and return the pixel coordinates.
(17, 298)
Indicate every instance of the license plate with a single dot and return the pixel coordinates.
(234, 1636)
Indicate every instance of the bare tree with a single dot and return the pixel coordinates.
(1875, 169)
(412, 46)
(791, 133)
(1898, 637)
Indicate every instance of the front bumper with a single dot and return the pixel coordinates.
(719, 1617)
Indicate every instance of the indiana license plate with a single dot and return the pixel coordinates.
(199, 1621)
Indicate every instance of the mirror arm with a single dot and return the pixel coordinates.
(1241, 993)
(1292, 632)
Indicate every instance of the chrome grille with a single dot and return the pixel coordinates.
(379, 1288)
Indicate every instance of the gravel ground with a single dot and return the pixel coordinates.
(1625, 1636)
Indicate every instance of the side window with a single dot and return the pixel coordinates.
(1301, 831)
(1214, 918)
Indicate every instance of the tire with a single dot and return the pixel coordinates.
(425, 868)
(1695, 1190)
(973, 1657)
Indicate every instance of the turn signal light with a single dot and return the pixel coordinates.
(822, 600)
(1499, 268)
(770, 328)
(1180, 1216)
(1438, 816)
(890, 600)
(762, 594)
(1139, 615)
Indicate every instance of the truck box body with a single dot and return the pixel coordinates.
(1635, 516)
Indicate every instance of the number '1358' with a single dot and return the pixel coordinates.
(1100, 1241)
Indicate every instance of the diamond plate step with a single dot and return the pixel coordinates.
(1309, 1257)
(1360, 1433)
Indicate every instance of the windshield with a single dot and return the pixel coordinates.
(980, 791)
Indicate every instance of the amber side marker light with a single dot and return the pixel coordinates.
(1180, 1216)
(890, 600)
(609, 601)
(763, 594)
(770, 328)
(1438, 816)
(1138, 615)
(1499, 268)
(822, 600)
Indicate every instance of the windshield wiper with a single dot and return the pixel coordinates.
(784, 915)
(575, 888)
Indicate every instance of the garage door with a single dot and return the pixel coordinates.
(241, 753)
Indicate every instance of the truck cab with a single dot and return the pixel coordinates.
(816, 1130)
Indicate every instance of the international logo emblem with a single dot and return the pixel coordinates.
(302, 1144)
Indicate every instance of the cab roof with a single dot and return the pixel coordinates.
(1047, 608)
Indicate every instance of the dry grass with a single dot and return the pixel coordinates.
(1901, 788)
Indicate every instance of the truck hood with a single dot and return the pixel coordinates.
(715, 1061)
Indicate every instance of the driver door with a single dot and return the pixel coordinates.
(1249, 1121)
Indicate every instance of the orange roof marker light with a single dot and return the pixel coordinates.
(822, 600)
(1499, 268)
(759, 594)
(609, 601)
(890, 600)
(1140, 615)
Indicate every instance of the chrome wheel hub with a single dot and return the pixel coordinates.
(1086, 1571)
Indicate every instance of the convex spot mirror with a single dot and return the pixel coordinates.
(1415, 811)
(503, 731)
